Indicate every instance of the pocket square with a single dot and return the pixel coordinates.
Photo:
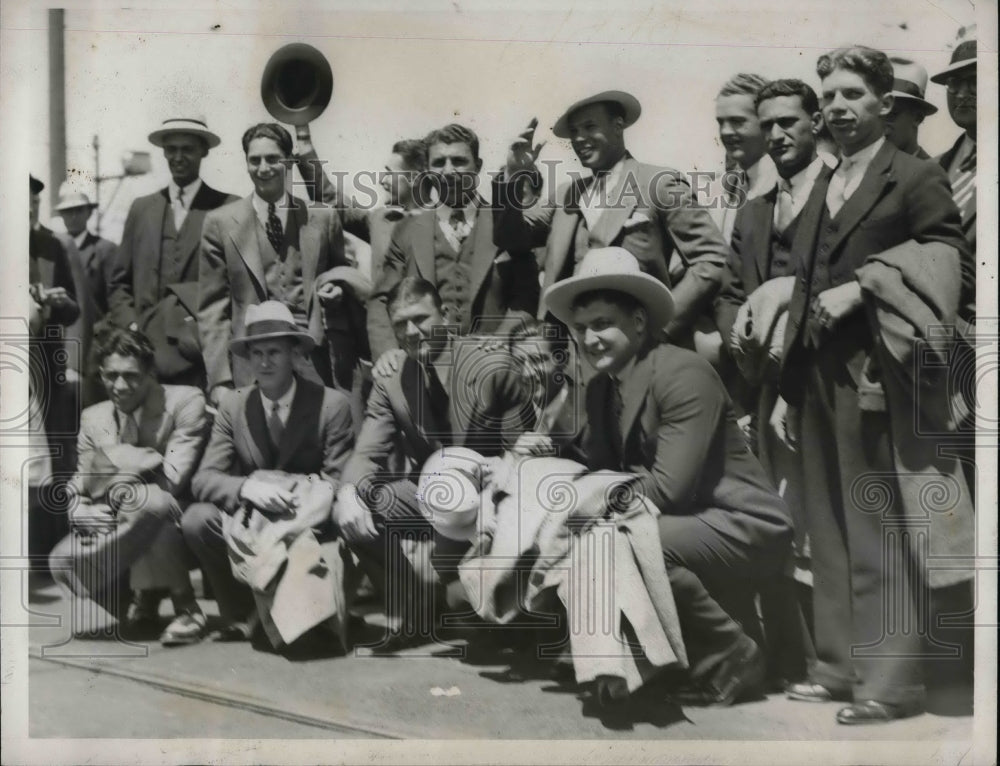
(636, 219)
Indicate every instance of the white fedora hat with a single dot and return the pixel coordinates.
(629, 104)
(448, 493)
(71, 197)
(195, 125)
(910, 84)
(611, 268)
(267, 320)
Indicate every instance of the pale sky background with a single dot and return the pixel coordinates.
(400, 72)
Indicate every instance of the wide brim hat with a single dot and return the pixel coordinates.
(963, 57)
(449, 492)
(909, 84)
(194, 125)
(267, 321)
(611, 268)
(628, 102)
(69, 200)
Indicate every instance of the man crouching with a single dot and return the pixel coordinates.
(266, 486)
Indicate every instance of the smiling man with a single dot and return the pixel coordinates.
(661, 413)
(159, 247)
(267, 246)
(849, 337)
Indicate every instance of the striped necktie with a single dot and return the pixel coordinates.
(275, 231)
(963, 186)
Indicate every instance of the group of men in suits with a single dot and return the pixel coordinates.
(820, 280)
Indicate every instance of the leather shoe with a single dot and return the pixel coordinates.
(807, 692)
(143, 616)
(237, 631)
(187, 628)
(872, 711)
(739, 677)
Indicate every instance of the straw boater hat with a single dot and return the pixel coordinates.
(195, 125)
(448, 494)
(910, 84)
(628, 102)
(70, 198)
(611, 268)
(268, 320)
(963, 57)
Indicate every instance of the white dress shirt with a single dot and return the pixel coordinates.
(799, 187)
(181, 204)
(847, 177)
(600, 194)
(280, 209)
(284, 403)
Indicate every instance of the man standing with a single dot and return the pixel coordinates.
(881, 209)
(444, 393)
(661, 413)
(484, 287)
(97, 259)
(267, 246)
(159, 247)
(746, 159)
(151, 434)
(283, 422)
(648, 210)
(909, 108)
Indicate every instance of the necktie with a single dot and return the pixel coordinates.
(180, 211)
(963, 186)
(785, 207)
(617, 408)
(837, 192)
(459, 225)
(274, 425)
(275, 232)
(595, 202)
(129, 430)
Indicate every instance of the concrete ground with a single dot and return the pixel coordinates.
(97, 688)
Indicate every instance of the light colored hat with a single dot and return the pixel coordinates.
(195, 125)
(71, 197)
(267, 320)
(910, 84)
(611, 268)
(963, 57)
(628, 102)
(448, 493)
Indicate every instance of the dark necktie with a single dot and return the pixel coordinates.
(437, 398)
(275, 426)
(617, 407)
(275, 232)
(129, 431)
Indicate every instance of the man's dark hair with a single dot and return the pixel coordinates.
(535, 330)
(409, 291)
(272, 130)
(454, 134)
(790, 87)
(624, 301)
(873, 66)
(124, 342)
(743, 84)
(413, 151)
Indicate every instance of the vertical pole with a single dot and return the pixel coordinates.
(97, 184)
(57, 104)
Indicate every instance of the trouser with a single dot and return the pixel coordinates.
(713, 576)
(91, 562)
(201, 526)
(865, 581)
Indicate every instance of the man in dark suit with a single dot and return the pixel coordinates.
(159, 248)
(878, 198)
(484, 288)
(648, 210)
(96, 260)
(283, 422)
(445, 392)
(268, 246)
(161, 428)
(661, 413)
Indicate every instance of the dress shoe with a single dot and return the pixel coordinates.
(241, 630)
(143, 616)
(872, 711)
(739, 677)
(186, 628)
(610, 691)
(807, 692)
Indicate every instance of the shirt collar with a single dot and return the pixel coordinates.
(190, 191)
(280, 207)
(81, 238)
(469, 211)
(805, 178)
(863, 158)
(615, 173)
(761, 177)
(136, 413)
(284, 401)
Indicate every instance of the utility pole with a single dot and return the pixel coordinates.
(57, 104)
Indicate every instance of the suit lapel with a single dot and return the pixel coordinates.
(804, 242)
(634, 392)
(189, 237)
(758, 235)
(564, 222)
(309, 247)
(483, 249)
(613, 218)
(154, 425)
(422, 241)
(302, 420)
(259, 439)
(244, 237)
(877, 180)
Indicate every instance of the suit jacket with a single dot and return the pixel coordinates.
(658, 221)
(135, 283)
(231, 278)
(173, 424)
(50, 264)
(316, 439)
(487, 410)
(680, 438)
(504, 281)
(967, 309)
(900, 200)
(95, 260)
